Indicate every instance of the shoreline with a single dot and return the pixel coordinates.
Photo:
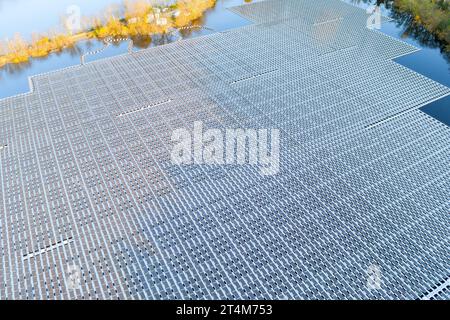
(126, 27)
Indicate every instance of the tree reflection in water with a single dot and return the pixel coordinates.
(410, 28)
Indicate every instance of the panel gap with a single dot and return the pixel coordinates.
(253, 76)
(143, 108)
(48, 248)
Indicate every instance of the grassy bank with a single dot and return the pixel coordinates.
(140, 19)
(433, 15)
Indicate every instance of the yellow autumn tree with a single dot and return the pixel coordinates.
(139, 19)
(136, 10)
(190, 10)
(3, 51)
(17, 50)
(40, 46)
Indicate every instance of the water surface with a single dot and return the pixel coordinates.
(431, 61)
(43, 15)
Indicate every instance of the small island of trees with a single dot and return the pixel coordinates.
(140, 19)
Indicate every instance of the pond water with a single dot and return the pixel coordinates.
(24, 16)
(431, 61)
(42, 15)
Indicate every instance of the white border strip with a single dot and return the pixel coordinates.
(436, 291)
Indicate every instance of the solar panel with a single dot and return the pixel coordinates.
(89, 192)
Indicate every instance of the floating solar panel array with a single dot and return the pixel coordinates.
(93, 207)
